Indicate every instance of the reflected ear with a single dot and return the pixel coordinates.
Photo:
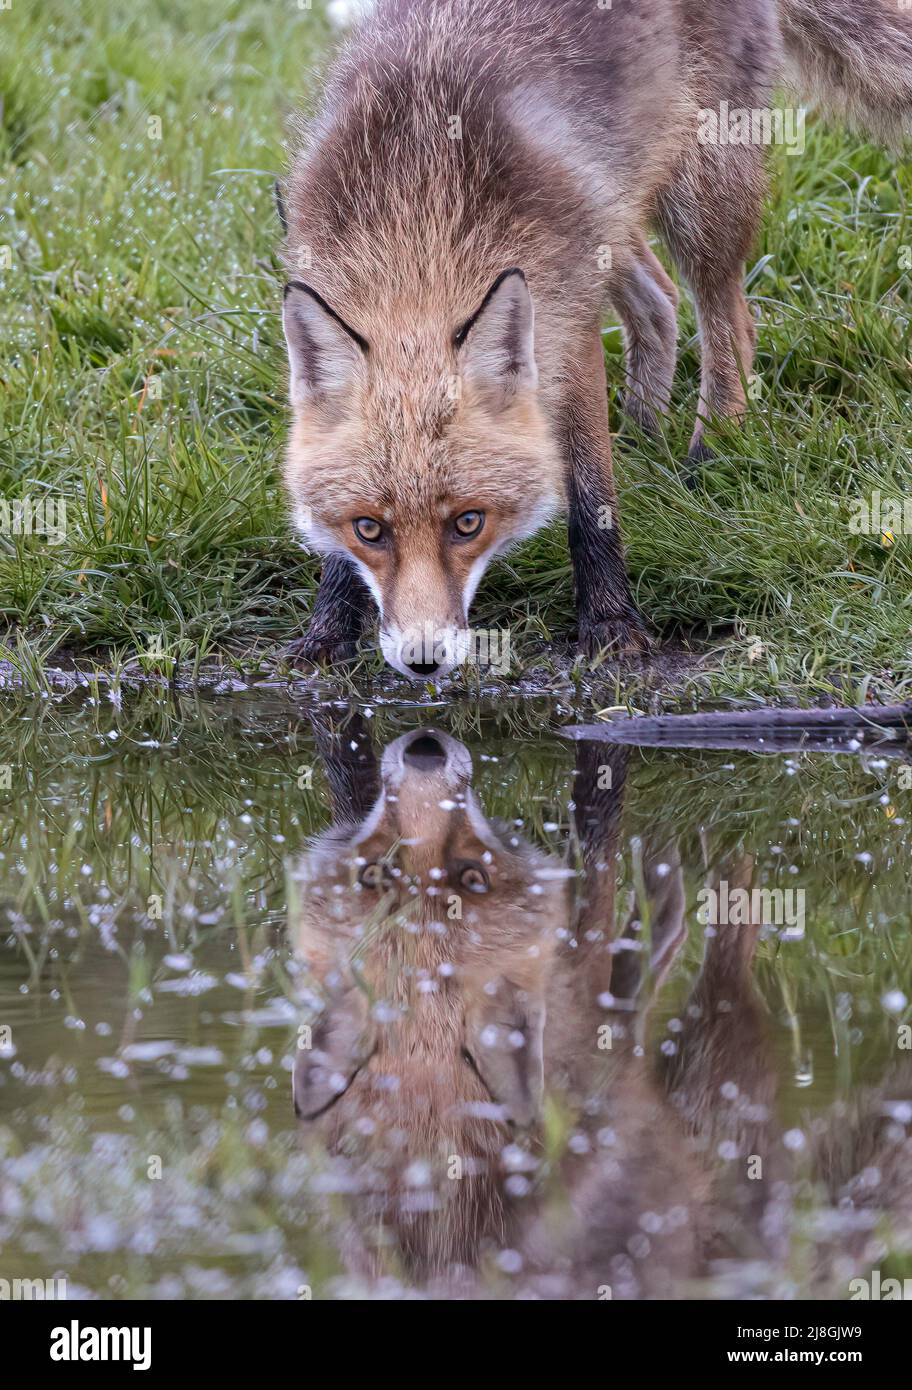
(505, 1040)
(342, 1040)
(326, 356)
(496, 346)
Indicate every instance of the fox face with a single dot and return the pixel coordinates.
(429, 931)
(419, 453)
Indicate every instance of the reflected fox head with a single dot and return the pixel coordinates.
(428, 931)
(419, 451)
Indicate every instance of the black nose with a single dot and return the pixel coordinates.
(422, 668)
(425, 753)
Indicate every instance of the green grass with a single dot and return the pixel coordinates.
(143, 378)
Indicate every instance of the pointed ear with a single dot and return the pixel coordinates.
(496, 346)
(505, 1040)
(325, 355)
(342, 1040)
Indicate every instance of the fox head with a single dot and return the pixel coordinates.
(419, 452)
(429, 931)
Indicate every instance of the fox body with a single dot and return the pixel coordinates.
(478, 185)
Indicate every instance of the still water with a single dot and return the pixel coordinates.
(326, 1001)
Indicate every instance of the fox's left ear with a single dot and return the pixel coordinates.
(326, 355)
(496, 346)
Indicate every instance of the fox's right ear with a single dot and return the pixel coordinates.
(326, 356)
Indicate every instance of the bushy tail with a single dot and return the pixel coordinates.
(855, 58)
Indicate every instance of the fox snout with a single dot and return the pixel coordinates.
(416, 759)
(425, 649)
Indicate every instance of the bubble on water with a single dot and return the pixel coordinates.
(188, 984)
(147, 1051)
(894, 1001)
(179, 961)
(417, 1174)
(113, 1066)
(510, 1261)
(201, 1056)
(794, 1140)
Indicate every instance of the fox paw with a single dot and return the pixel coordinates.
(700, 455)
(623, 635)
(320, 648)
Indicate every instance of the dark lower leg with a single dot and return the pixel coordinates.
(340, 615)
(608, 618)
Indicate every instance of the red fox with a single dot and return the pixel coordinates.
(478, 185)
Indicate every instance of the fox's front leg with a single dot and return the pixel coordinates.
(608, 618)
(342, 609)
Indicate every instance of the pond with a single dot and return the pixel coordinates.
(306, 1000)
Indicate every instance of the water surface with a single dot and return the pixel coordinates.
(557, 1020)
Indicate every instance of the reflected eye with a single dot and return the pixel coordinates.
(367, 529)
(374, 876)
(474, 879)
(468, 524)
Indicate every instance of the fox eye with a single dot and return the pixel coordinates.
(374, 876)
(468, 524)
(367, 529)
(474, 879)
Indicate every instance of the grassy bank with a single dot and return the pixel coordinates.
(143, 377)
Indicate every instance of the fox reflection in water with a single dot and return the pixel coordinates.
(477, 1083)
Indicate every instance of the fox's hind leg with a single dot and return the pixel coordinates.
(709, 216)
(608, 618)
(646, 300)
(340, 615)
